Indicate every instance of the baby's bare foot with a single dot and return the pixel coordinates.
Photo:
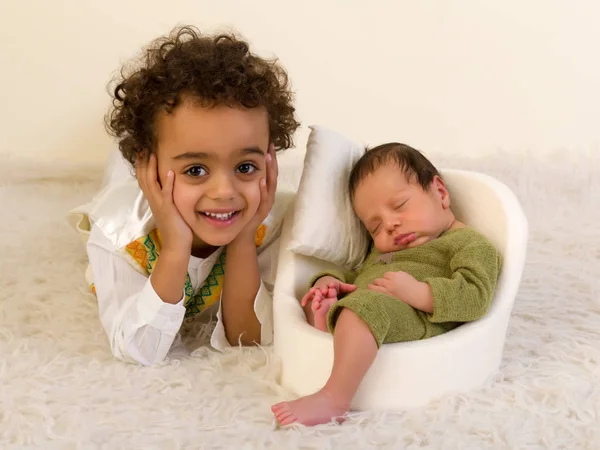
(311, 410)
(320, 309)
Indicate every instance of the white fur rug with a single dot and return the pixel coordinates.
(61, 388)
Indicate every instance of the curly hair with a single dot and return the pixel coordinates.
(210, 70)
(411, 161)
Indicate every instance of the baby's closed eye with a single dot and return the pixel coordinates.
(401, 204)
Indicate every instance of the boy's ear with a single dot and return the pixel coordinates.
(440, 190)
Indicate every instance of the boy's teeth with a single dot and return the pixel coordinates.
(220, 216)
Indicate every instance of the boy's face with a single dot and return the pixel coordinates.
(399, 213)
(218, 157)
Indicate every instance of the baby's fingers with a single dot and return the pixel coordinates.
(347, 287)
(316, 304)
(380, 281)
(307, 297)
(376, 288)
(326, 287)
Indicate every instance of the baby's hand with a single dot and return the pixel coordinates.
(406, 288)
(320, 307)
(396, 284)
(327, 287)
(309, 296)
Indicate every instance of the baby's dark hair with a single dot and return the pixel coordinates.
(208, 70)
(409, 160)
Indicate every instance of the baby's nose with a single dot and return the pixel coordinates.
(393, 226)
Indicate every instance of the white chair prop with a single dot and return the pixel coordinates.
(412, 373)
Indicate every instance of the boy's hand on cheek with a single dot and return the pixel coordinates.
(176, 235)
(268, 186)
(405, 287)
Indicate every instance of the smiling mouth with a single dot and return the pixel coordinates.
(220, 216)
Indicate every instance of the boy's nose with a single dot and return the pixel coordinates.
(221, 188)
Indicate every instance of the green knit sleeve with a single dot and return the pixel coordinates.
(467, 295)
(344, 277)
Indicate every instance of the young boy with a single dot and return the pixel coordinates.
(196, 230)
(426, 274)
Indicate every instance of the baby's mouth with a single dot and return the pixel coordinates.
(404, 239)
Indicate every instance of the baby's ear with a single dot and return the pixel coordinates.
(439, 187)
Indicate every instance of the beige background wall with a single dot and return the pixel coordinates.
(459, 76)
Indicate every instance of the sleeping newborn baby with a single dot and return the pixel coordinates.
(426, 273)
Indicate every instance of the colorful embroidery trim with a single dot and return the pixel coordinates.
(145, 251)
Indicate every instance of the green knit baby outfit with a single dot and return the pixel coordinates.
(462, 268)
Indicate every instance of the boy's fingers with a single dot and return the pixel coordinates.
(262, 210)
(274, 164)
(152, 171)
(140, 172)
(141, 176)
(151, 168)
(153, 182)
(139, 162)
(272, 169)
(263, 193)
(167, 191)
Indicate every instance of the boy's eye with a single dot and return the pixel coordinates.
(196, 171)
(376, 229)
(246, 168)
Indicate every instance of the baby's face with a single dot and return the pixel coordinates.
(399, 213)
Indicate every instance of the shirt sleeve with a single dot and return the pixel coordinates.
(345, 277)
(467, 295)
(140, 327)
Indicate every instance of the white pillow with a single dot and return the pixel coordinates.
(325, 226)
